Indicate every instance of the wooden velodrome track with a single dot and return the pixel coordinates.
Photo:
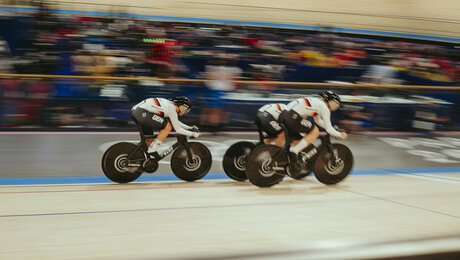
(403, 198)
(404, 192)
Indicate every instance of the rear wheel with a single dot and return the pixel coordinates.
(258, 170)
(191, 170)
(234, 161)
(115, 162)
(326, 172)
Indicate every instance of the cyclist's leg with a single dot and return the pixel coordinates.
(160, 137)
(294, 142)
(297, 125)
(149, 123)
(272, 127)
(164, 132)
(143, 131)
(262, 119)
(146, 130)
(285, 118)
(306, 140)
(279, 139)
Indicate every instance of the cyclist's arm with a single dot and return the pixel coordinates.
(177, 125)
(187, 127)
(324, 120)
(319, 121)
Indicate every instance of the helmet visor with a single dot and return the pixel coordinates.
(334, 105)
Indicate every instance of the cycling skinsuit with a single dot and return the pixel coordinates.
(151, 114)
(267, 118)
(296, 114)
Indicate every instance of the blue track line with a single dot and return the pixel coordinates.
(209, 176)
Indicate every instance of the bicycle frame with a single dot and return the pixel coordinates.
(325, 141)
(286, 146)
(181, 141)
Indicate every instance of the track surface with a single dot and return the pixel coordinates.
(401, 199)
(69, 154)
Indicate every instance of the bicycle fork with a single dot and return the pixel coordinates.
(334, 156)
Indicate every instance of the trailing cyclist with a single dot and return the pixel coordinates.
(267, 120)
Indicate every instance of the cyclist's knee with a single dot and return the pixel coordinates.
(313, 134)
(315, 131)
(168, 127)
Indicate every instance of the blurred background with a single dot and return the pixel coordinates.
(228, 68)
(76, 66)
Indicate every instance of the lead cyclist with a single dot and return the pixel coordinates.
(153, 113)
(297, 118)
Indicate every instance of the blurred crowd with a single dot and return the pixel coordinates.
(46, 42)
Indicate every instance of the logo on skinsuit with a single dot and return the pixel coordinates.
(305, 123)
(275, 125)
(158, 118)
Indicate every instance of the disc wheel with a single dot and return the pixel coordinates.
(115, 162)
(191, 170)
(324, 169)
(235, 158)
(259, 172)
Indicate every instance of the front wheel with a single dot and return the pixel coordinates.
(324, 169)
(258, 170)
(117, 167)
(191, 170)
(235, 158)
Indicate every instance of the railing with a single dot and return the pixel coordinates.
(308, 84)
(58, 101)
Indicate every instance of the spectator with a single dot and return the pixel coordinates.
(220, 75)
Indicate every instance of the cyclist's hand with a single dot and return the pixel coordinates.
(195, 129)
(343, 135)
(196, 135)
(339, 129)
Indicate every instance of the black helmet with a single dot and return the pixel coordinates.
(182, 101)
(329, 95)
(331, 98)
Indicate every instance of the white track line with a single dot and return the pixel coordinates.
(432, 177)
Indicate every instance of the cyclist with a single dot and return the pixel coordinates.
(299, 127)
(267, 120)
(150, 114)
